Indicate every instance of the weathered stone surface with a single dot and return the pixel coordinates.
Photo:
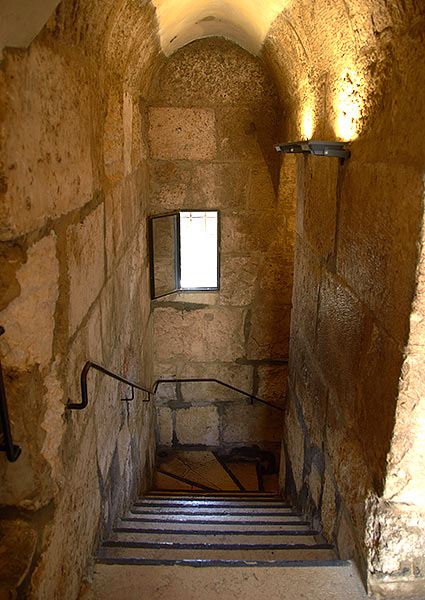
(113, 137)
(376, 240)
(17, 546)
(269, 334)
(294, 438)
(240, 376)
(272, 381)
(239, 280)
(44, 175)
(320, 204)
(311, 390)
(182, 133)
(328, 512)
(200, 335)
(246, 423)
(85, 247)
(169, 186)
(340, 325)
(345, 541)
(376, 400)
(305, 294)
(29, 319)
(165, 426)
(219, 185)
(198, 425)
(315, 484)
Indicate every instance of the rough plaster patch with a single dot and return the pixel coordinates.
(29, 318)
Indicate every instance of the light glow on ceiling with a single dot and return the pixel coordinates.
(242, 21)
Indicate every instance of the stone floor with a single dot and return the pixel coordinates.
(257, 583)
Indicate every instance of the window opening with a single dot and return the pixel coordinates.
(184, 252)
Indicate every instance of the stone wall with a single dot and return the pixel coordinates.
(74, 287)
(357, 237)
(213, 117)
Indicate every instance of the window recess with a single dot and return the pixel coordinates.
(184, 249)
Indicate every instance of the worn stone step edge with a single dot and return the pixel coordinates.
(212, 503)
(201, 563)
(211, 532)
(134, 521)
(248, 554)
(212, 512)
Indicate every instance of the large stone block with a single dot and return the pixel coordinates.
(182, 133)
(85, 249)
(305, 293)
(378, 236)
(164, 422)
(219, 185)
(169, 186)
(272, 381)
(29, 319)
(340, 331)
(328, 509)
(238, 280)
(248, 424)
(48, 101)
(320, 204)
(113, 137)
(294, 437)
(274, 279)
(311, 391)
(269, 333)
(248, 232)
(198, 425)
(201, 335)
(239, 376)
(375, 408)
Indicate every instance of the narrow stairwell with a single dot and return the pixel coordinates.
(213, 543)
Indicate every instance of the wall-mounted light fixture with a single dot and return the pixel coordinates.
(314, 147)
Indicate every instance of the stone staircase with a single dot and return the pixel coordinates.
(218, 530)
(250, 543)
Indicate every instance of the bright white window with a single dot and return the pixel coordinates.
(184, 252)
(198, 249)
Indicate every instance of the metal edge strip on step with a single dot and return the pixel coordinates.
(153, 562)
(229, 471)
(219, 493)
(212, 532)
(206, 504)
(213, 522)
(206, 546)
(219, 513)
(220, 502)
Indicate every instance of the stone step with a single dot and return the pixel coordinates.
(324, 580)
(213, 525)
(212, 502)
(217, 512)
(246, 552)
(201, 537)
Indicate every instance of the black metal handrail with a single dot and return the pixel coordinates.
(84, 396)
(91, 365)
(6, 441)
(219, 382)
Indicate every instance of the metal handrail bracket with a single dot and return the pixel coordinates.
(84, 395)
(91, 365)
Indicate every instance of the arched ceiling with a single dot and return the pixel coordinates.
(245, 22)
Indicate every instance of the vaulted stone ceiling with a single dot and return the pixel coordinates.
(245, 22)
